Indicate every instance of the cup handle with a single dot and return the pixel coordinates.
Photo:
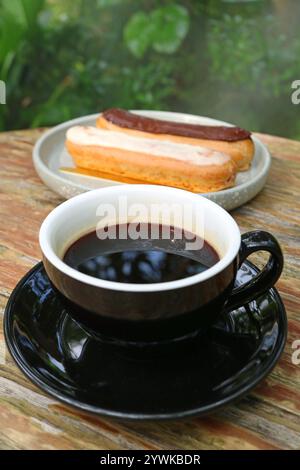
(257, 240)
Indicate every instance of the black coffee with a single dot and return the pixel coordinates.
(143, 260)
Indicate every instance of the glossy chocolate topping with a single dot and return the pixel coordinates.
(129, 120)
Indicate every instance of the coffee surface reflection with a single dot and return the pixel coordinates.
(141, 261)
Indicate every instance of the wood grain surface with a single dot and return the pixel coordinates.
(268, 418)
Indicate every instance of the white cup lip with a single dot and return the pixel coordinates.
(58, 263)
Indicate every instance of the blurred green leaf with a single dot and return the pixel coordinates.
(163, 29)
(171, 24)
(24, 12)
(14, 8)
(11, 35)
(138, 34)
(18, 22)
(109, 3)
(32, 9)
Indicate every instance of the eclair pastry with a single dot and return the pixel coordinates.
(233, 141)
(154, 161)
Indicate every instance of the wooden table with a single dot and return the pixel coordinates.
(268, 418)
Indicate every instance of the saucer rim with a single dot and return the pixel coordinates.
(168, 416)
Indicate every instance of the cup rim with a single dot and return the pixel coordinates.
(58, 263)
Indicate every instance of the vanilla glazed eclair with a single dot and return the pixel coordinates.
(234, 141)
(162, 162)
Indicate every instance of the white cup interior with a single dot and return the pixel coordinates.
(78, 216)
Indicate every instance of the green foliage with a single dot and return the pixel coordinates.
(163, 29)
(228, 59)
(171, 26)
(245, 50)
(138, 34)
(18, 23)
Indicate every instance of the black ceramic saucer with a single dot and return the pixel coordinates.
(186, 378)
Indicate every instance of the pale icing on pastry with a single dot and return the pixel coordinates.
(88, 135)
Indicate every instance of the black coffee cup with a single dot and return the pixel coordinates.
(151, 312)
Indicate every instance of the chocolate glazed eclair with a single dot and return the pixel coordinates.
(233, 141)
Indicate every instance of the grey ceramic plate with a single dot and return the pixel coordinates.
(49, 155)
